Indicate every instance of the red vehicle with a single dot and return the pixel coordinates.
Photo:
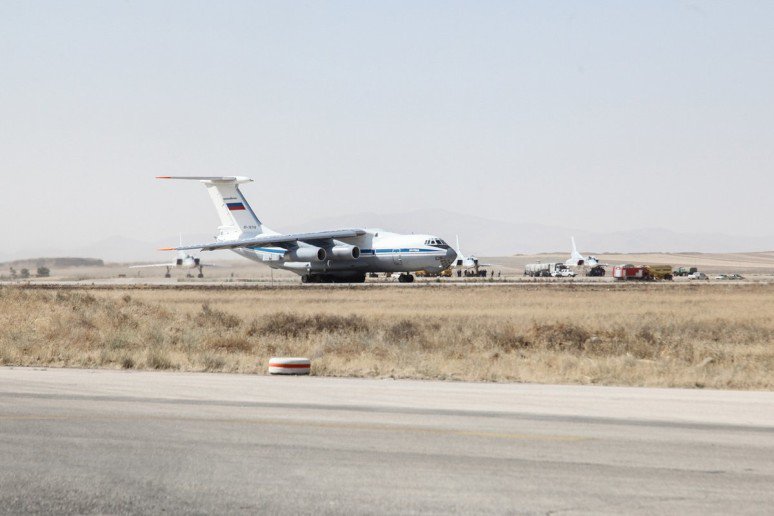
(630, 272)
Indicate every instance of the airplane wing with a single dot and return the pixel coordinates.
(288, 240)
(153, 265)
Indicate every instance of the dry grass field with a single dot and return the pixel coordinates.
(714, 336)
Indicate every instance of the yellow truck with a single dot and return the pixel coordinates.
(446, 273)
(659, 272)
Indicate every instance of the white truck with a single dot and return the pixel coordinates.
(564, 272)
(545, 270)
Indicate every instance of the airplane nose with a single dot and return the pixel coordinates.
(451, 255)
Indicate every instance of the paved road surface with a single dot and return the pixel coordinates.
(112, 441)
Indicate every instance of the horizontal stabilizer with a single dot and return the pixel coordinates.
(232, 207)
(211, 179)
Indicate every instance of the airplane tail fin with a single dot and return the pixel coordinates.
(236, 215)
(575, 256)
(460, 256)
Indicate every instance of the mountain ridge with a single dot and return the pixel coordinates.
(478, 235)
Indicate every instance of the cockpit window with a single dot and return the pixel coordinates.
(437, 242)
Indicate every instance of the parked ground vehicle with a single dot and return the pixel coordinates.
(659, 272)
(642, 272)
(629, 272)
(684, 271)
(596, 271)
(729, 277)
(538, 269)
(446, 273)
(698, 275)
(548, 269)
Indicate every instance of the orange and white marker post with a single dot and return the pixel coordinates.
(289, 365)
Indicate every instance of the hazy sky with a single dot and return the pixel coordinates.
(603, 115)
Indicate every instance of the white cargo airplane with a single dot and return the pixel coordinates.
(184, 261)
(578, 260)
(341, 256)
(467, 262)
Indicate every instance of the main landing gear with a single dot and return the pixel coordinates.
(406, 278)
(355, 277)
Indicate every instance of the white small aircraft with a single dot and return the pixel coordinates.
(467, 262)
(184, 261)
(578, 260)
(341, 255)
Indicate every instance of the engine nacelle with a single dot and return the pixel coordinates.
(344, 252)
(306, 254)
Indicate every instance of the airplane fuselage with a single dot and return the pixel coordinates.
(188, 262)
(380, 251)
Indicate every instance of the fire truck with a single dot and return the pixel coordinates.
(642, 272)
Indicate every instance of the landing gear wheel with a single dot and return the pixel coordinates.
(305, 278)
(406, 278)
(200, 275)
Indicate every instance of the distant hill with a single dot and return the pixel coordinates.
(478, 235)
(488, 237)
(54, 262)
(118, 249)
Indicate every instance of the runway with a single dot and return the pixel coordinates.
(80, 441)
(431, 283)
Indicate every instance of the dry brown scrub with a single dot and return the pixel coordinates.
(708, 336)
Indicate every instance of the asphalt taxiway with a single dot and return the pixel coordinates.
(81, 441)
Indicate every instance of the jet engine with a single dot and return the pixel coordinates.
(344, 252)
(306, 254)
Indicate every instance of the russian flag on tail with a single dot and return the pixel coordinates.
(235, 206)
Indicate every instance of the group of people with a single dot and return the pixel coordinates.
(482, 273)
